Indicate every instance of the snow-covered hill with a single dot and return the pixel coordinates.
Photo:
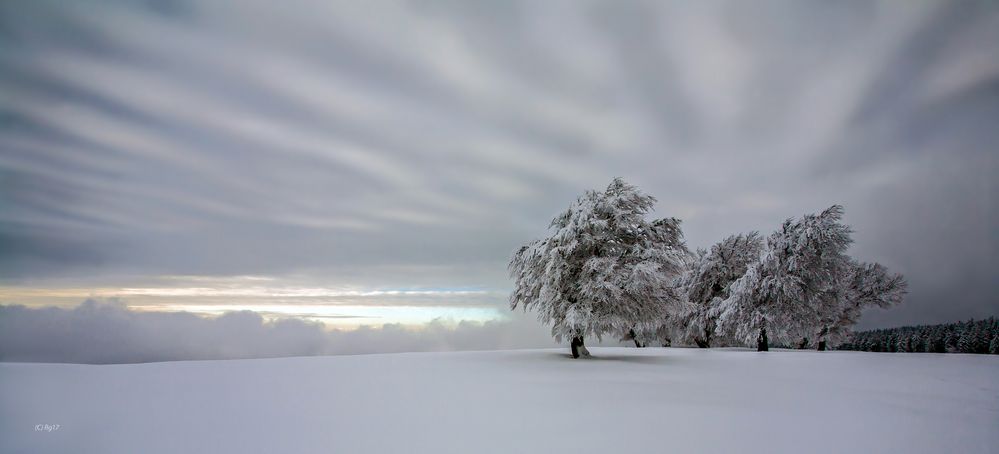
(623, 400)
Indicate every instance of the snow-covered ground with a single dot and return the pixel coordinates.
(623, 400)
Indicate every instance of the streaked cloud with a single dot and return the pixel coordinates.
(415, 144)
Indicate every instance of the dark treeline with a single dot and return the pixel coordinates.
(981, 336)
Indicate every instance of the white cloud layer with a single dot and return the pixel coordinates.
(108, 332)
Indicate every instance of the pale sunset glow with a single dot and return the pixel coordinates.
(346, 316)
(341, 307)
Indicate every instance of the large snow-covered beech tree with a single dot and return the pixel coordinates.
(778, 297)
(707, 282)
(602, 269)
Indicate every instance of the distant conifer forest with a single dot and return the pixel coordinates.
(972, 336)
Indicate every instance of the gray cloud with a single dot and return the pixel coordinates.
(366, 141)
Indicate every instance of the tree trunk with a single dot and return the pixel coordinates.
(575, 344)
(634, 337)
(762, 344)
(822, 338)
(578, 347)
(704, 342)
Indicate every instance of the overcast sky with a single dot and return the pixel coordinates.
(415, 145)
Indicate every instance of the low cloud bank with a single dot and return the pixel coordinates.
(108, 332)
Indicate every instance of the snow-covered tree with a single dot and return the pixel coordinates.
(707, 282)
(938, 342)
(966, 341)
(806, 286)
(777, 298)
(861, 285)
(603, 268)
